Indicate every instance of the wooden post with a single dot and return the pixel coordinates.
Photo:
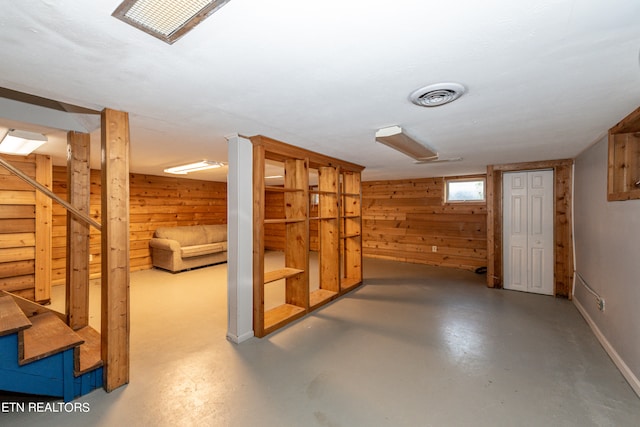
(77, 265)
(115, 248)
(240, 238)
(44, 208)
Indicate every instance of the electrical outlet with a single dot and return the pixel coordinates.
(90, 257)
(434, 249)
(601, 304)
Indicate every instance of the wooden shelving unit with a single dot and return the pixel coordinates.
(350, 231)
(328, 232)
(624, 159)
(338, 223)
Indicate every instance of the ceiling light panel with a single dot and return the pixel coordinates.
(167, 20)
(21, 143)
(194, 167)
(394, 137)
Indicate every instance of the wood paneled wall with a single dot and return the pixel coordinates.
(404, 219)
(155, 201)
(25, 221)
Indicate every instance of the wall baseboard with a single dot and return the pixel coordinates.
(633, 381)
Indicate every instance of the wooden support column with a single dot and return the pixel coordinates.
(44, 208)
(115, 248)
(77, 264)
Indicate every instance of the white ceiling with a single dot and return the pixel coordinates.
(545, 79)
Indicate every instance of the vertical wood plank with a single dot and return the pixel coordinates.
(258, 239)
(496, 277)
(490, 227)
(352, 209)
(296, 176)
(44, 206)
(77, 248)
(115, 248)
(563, 232)
(328, 230)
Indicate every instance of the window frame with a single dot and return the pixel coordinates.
(447, 180)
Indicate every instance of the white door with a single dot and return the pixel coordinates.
(528, 231)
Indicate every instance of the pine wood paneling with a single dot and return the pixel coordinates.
(155, 201)
(404, 219)
(25, 226)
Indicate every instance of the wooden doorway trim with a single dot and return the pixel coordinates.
(563, 220)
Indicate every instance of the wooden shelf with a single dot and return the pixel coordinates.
(327, 193)
(283, 189)
(283, 221)
(277, 317)
(283, 273)
(348, 283)
(351, 216)
(351, 194)
(349, 236)
(323, 217)
(321, 296)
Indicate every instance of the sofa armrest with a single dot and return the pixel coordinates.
(165, 244)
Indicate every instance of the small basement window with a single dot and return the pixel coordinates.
(460, 190)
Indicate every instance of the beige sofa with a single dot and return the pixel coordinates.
(181, 248)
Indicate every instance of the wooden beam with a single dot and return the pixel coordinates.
(115, 248)
(77, 248)
(543, 164)
(44, 207)
(280, 151)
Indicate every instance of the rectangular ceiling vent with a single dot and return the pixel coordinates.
(167, 20)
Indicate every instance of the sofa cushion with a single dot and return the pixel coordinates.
(185, 235)
(197, 250)
(216, 233)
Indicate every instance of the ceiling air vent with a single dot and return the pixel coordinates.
(437, 94)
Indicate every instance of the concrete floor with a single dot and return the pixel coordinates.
(414, 346)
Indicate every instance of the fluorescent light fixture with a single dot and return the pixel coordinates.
(167, 20)
(193, 167)
(450, 159)
(394, 137)
(273, 177)
(20, 142)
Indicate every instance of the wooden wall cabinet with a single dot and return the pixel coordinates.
(624, 159)
(339, 245)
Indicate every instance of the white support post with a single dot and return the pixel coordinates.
(240, 239)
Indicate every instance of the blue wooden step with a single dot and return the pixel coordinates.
(43, 356)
